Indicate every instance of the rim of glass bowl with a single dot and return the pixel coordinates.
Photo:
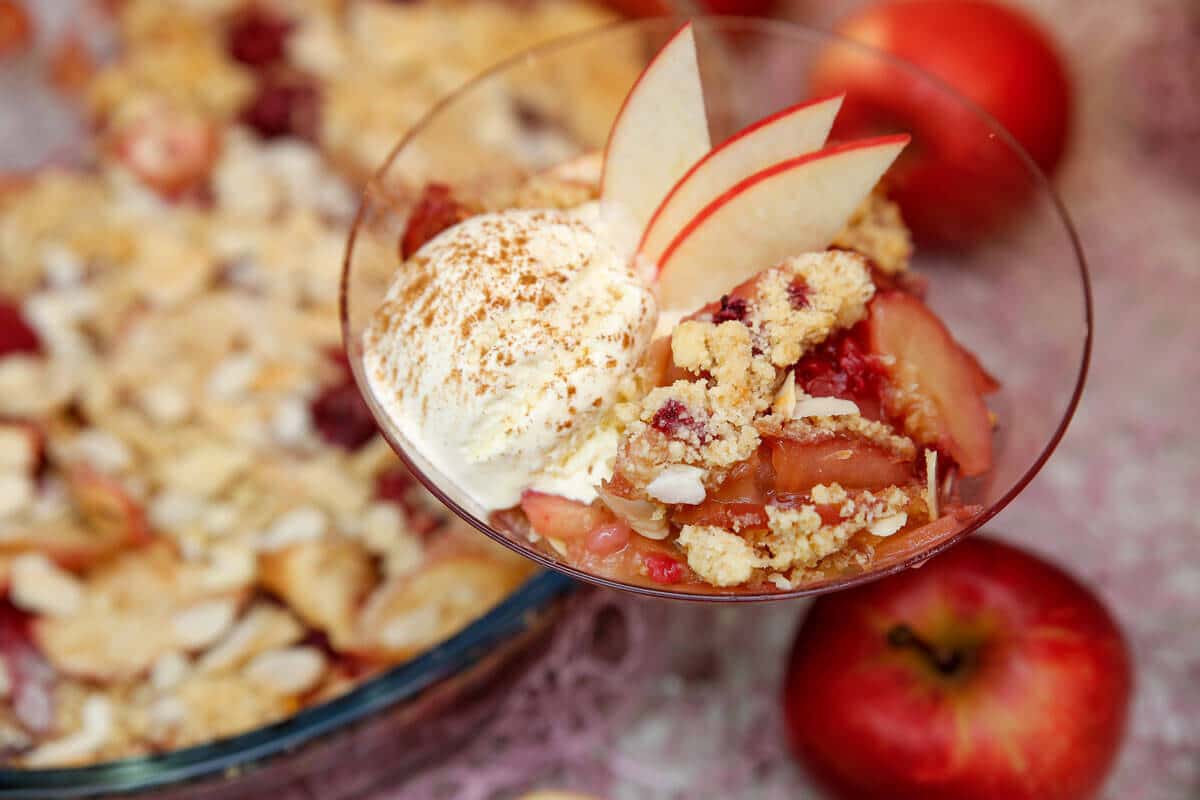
(404, 682)
(780, 29)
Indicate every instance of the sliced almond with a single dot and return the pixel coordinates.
(678, 484)
(96, 727)
(201, 625)
(264, 627)
(290, 671)
(931, 496)
(784, 404)
(38, 585)
(886, 526)
(824, 407)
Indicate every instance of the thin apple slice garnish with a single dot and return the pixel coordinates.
(796, 206)
(660, 131)
(786, 134)
(938, 386)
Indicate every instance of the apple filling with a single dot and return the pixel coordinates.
(788, 429)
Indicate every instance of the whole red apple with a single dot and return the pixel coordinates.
(957, 183)
(985, 674)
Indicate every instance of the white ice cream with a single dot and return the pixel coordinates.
(501, 349)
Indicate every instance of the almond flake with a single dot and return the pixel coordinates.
(18, 451)
(95, 729)
(680, 484)
(201, 625)
(169, 670)
(291, 670)
(931, 497)
(824, 407)
(5, 680)
(17, 493)
(784, 404)
(41, 586)
(886, 526)
(298, 525)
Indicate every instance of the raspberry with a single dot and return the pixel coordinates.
(393, 485)
(284, 107)
(257, 38)
(436, 211)
(673, 416)
(16, 337)
(662, 568)
(797, 292)
(342, 416)
(733, 309)
(841, 367)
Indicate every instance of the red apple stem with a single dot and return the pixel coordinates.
(947, 662)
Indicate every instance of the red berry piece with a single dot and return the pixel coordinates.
(435, 211)
(257, 38)
(394, 484)
(284, 106)
(16, 337)
(662, 568)
(342, 416)
(797, 292)
(673, 416)
(733, 309)
(841, 366)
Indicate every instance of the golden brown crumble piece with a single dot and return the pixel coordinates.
(877, 230)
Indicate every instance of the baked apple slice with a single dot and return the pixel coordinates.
(854, 463)
(936, 385)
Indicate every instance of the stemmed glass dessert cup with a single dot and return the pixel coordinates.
(1021, 302)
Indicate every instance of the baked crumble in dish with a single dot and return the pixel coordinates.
(677, 365)
(201, 531)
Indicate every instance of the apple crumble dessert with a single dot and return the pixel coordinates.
(746, 394)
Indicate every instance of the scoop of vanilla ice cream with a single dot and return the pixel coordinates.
(502, 347)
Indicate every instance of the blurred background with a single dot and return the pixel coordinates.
(634, 699)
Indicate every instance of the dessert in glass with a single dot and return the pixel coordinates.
(691, 370)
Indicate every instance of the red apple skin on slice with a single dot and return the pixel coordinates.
(793, 207)
(660, 131)
(786, 134)
(854, 464)
(937, 388)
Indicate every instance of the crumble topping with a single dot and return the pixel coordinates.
(718, 556)
(877, 230)
(800, 538)
(806, 298)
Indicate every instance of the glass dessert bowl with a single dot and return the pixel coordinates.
(702, 371)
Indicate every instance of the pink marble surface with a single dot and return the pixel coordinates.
(1115, 505)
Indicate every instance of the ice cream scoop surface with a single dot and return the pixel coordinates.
(501, 349)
